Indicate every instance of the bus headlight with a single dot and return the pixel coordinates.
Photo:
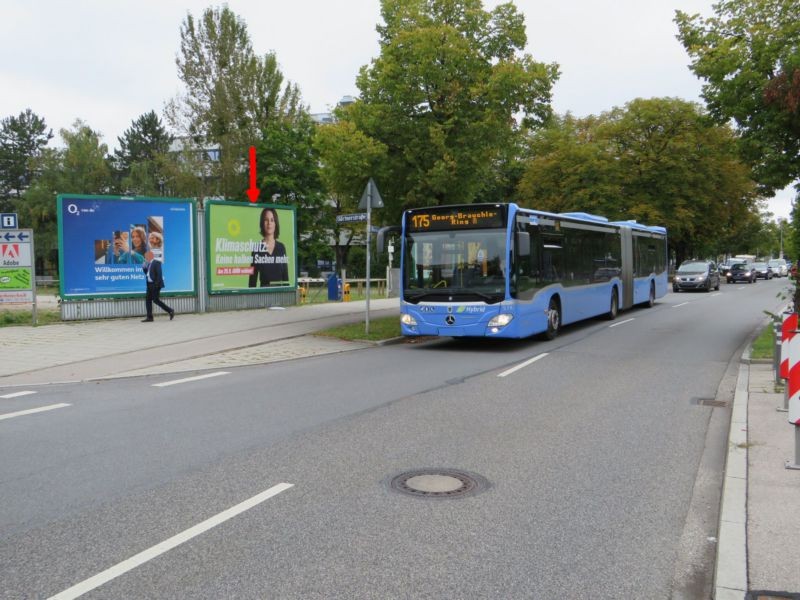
(500, 320)
(408, 320)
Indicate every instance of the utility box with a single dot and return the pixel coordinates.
(334, 287)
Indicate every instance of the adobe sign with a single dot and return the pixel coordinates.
(15, 254)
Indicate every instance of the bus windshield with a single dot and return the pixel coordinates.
(464, 265)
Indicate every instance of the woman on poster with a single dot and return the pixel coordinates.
(270, 263)
(139, 243)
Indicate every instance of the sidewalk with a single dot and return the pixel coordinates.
(759, 536)
(758, 555)
(78, 351)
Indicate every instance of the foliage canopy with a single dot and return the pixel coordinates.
(658, 161)
(749, 56)
(443, 96)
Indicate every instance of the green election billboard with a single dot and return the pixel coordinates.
(251, 247)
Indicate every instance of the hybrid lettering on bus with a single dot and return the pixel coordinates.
(499, 270)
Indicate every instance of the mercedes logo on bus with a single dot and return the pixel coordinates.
(450, 319)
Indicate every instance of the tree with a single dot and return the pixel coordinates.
(571, 169)
(79, 168)
(139, 160)
(348, 158)
(231, 94)
(443, 96)
(288, 164)
(22, 140)
(658, 161)
(749, 56)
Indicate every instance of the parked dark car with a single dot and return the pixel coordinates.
(725, 268)
(743, 271)
(696, 275)
(762, 270)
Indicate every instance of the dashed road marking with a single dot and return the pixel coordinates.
(621, 323)
(31, 411)
(522, 365)
(18, 394)
(96, 581)
(188, 379)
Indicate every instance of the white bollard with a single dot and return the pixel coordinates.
(794, 400)
(788, 330)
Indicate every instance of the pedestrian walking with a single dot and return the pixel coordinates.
(155, 281)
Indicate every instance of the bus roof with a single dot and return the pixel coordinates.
(639, 226)
(588, 217)
(585, 216)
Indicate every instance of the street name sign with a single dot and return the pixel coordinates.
(356, 218)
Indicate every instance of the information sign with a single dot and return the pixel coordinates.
(8, 220)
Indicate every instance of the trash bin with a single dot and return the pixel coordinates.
(334, 287)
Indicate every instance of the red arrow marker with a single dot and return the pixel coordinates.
(253, 192)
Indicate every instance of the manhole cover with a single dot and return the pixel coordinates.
(438, 483)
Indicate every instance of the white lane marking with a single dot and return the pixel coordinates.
(31, 411)
(681, 304)
(620, 323)
(188, 379)
(18, 394)
(522, 365)
(96, 581)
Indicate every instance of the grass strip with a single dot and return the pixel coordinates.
(383, 328)
(10, 318)
(764, 345)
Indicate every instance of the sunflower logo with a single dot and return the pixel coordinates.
(234, 227)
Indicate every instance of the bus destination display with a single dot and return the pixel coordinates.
(464, 218)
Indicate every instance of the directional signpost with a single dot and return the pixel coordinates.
(370, 199)
(17, 281)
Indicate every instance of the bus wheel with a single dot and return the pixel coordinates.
(553, 320)
(613, 309)
(651, 299)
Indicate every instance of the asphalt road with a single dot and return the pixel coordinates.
(588, 459)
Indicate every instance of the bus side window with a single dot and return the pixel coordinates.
(525, 271)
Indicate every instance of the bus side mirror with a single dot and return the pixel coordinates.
(380, 240)
(523, 243)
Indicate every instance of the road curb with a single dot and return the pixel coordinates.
(730, 574)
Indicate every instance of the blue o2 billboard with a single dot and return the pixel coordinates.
(103, 241)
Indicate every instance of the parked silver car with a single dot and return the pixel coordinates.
(779, 267)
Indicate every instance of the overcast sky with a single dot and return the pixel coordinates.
(108, 62)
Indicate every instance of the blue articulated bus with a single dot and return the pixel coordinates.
(500, 270)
